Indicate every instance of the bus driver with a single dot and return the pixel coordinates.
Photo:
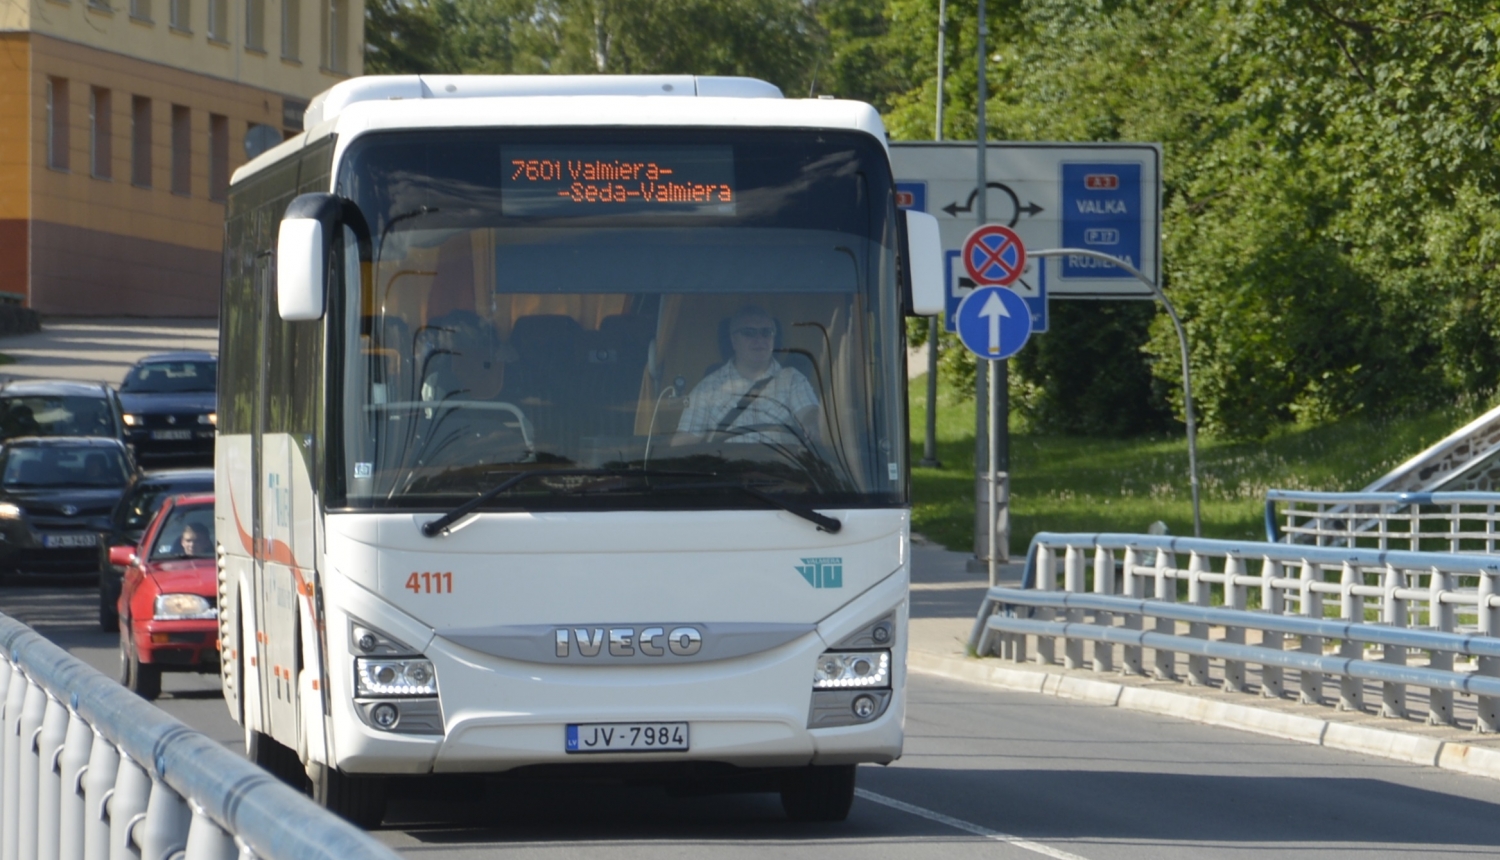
(751, 393)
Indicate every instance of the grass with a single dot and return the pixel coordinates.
(1074, 484)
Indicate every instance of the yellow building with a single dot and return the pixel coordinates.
(120, 124)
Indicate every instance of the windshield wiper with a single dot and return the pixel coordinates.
(432, 528)
(824, 522)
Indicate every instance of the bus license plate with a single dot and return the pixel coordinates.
(170, 435)
(627, 737)
(70, 541)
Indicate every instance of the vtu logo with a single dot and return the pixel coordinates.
(823, 572)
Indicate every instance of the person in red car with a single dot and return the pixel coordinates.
(168, 607)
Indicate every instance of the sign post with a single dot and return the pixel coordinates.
(993, 322)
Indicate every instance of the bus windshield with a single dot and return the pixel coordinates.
(657, 317)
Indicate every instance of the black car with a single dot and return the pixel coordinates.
(140, 502)
(59, 408)
(169, 401)
(56, 494)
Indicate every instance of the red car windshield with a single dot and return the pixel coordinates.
(187, 533)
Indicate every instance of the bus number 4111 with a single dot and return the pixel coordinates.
(428, 582)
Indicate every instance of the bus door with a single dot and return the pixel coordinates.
(276, 595)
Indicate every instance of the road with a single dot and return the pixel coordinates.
(986, 774)
(100, 350)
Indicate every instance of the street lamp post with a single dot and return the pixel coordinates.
(1187, 383)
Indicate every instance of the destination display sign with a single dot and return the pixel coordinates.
(548, 181)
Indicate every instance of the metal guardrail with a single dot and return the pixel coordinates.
(1442, 522)
(1415, 599)
(90, 771)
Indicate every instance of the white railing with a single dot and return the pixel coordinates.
(1421, 610)
(90, 771)
(1437, 522)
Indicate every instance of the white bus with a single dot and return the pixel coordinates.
(562, 422)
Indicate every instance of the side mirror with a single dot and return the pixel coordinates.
(122, 556)
(924, 261)
(302, 248)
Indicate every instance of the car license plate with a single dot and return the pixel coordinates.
(169, 435)
(627, 737)
(70, 541)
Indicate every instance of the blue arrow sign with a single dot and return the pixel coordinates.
(993, 322)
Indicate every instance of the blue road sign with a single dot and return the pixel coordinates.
(911, 195)
(993, 322)
(959, 285)
(1101, 212)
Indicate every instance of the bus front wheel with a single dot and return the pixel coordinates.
(818, 793)
(360, 799)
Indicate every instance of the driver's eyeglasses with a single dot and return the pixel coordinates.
(767, 333)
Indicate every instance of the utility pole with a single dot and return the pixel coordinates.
(991, 502)
(934, 326)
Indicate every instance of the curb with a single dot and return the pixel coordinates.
(1398, 746)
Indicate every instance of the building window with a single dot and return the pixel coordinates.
(182, 15)
(57, 123)
(335, 39)
(291, 29)
(100, 5)
(255, 25)
(182, 145)
(140, 10)
(218, 156)
(140, 141)
(100, 129)
(218, 20)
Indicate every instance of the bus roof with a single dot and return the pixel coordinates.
(380, 103)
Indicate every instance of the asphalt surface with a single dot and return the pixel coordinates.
(987, 773)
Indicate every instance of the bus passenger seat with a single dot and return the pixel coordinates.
(547, 376)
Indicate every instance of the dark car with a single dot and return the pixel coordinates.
(169, 402)
(140, 502)
(59, 408)
(56, 494)
(168, 606)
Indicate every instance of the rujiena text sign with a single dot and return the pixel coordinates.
(549, 181)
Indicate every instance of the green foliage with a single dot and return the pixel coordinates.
(776, 40)
(1331, 226)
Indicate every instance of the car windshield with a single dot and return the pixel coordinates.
(48, 466)
(167, 377)
(142, 503)
(49, 415)
(733, 313)
(187, 533)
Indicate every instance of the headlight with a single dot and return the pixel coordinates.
(209, 418)
(373, 677)
(9, 511)
(178, 607)
(134, 420)
(843, 669)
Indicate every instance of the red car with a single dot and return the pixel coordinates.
(169, 599)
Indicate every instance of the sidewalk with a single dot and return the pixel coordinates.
(945, 598)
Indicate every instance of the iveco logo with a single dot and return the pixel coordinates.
(627, 641)
(69, 510)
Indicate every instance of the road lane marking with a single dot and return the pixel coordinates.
(959, 824)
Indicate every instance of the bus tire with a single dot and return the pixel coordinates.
(359, 799)
(818, 793)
